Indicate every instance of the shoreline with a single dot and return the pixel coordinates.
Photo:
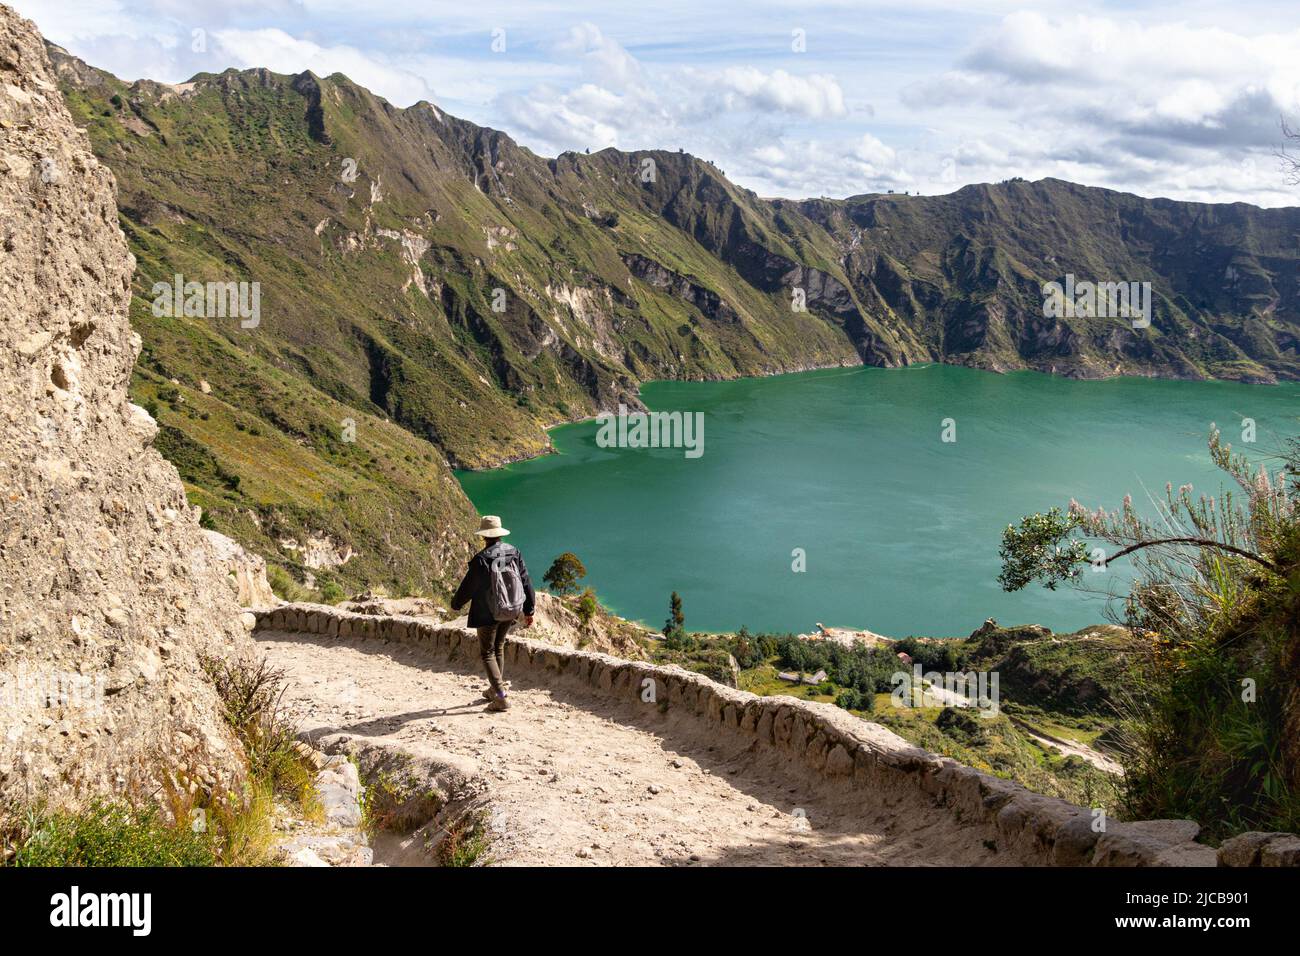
(547, 429)
(928, 363)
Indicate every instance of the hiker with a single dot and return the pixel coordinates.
(500, 593)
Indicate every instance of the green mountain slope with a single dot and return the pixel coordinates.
(966, 271)
(433, 294)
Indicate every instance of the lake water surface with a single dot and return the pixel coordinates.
(900, 529)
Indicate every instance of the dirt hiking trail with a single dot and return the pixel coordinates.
(578, 780)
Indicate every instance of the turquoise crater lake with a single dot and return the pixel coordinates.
(900, 529)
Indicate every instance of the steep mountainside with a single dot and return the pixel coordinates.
(431, 292)
(965, 272)
(108, 591)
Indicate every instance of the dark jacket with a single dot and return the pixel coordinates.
(478, 576)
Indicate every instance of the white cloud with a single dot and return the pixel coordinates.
(832, 168)
(1187, 111)
(585, 116)
(746, 87)
(619, 101)
(601, 58)
(1150, 79)
(1170, 98)
(282, 53)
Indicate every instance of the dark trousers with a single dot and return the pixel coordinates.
(492, 648)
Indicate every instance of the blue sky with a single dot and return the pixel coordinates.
(794, 99)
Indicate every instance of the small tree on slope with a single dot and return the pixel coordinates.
(564, 573)
(675, 626)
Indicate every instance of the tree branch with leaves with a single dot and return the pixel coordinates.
(1176, 551)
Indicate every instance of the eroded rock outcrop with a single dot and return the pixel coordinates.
(246, 571)
(108, 589)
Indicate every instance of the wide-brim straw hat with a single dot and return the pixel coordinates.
(489, 526)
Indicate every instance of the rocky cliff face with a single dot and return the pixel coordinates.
(108, 590)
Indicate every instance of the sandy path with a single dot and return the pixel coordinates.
(1073, 749)
(580, 780)
(1070, 748)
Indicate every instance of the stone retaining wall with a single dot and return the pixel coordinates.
(1029, 827)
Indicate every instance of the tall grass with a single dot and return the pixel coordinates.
(466, 842)
(109, 834)
(183, 823)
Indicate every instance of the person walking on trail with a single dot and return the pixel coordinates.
(500, 594)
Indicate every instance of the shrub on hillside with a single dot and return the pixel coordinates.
(931, 655)
(865, 669)
(715, 663)
(587, 606)
(855, 700)
(284, 586)
(112, 834)
(750, 650)
(252, 693)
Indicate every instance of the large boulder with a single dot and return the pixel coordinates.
(108, 590)
(1152, 843)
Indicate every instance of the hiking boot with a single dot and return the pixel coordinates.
(498, 704)
(487, 691)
